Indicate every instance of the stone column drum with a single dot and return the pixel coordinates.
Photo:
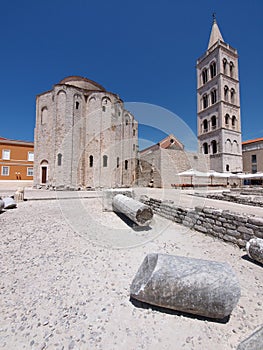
(138, 212)
(254, 248)
(201, 287)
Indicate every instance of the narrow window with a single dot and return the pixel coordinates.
(90, 161)
(231, 68)
(77, 105)
(204, 76)
(103, 108)
(59, 159)
(205, 125)
(234, 121)
(118, 162)
(134, 132)
(213, 122)
(226, 90)
(213, 96)
(227, 167)
(224, 65)
(205, 101)
(227, 120)
(232, 95)
(30, 156)
(126, 164)
(126, 122)
(254, 169)
(5, 171)
(253, 158)
(6, 154)
(105, 161)
(133, 147)
(214, 146)
(205, 148)
(213, 69)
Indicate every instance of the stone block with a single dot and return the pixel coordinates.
(254, 220)
(138, 212)
(201, 287)
(254, 248)
(108, 194)
(9, 203)
(246, 230)
(253, 342)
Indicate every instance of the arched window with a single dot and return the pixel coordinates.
(205, 101)
(90, 161)
(204, 75)
(77, 105)
(213, 70)
(232, 94)
(105, 161)
(59, 159)
(226, 93)
(213, 122)
(213, 96)
(235, 147)
(227, 117)
(228, 146)
(44, 115)
(205, 125)
(205, 148)
(234, 121)
(126, 164)
(227, 167)
(118, 162)
(224, 65)
(214, 146)
(231, 68)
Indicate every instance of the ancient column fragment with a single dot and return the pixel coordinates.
(9, 203)
(138, 212)
(254, 249)
(253, 342)
(201, 287)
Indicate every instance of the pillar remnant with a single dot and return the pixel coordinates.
(253, 342)
(138, 212)
(9, 203)
(200, 287)
(254, 248)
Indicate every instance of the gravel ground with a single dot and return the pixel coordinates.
(66, 269)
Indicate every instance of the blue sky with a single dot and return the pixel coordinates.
(145, 51)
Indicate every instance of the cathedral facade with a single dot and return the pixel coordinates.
(84, 137)
(218, 104)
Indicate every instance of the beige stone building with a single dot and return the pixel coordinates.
(160, 164)
(218, 104)
(84, 137)
(253, 156)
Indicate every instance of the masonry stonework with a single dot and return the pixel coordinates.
(84, 138)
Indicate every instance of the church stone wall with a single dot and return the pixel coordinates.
(86, 140)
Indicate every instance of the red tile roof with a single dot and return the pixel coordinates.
(252, 141)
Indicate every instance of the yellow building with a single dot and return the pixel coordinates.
(16, 160)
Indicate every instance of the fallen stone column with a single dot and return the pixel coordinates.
(138, 212)
(254, 248)
(9, 203)
(201, 287)
(2, 204)
(253, 342)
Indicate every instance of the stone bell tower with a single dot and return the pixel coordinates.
(218, 104)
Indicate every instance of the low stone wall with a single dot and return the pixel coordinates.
(226, 225)
(236, 197)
